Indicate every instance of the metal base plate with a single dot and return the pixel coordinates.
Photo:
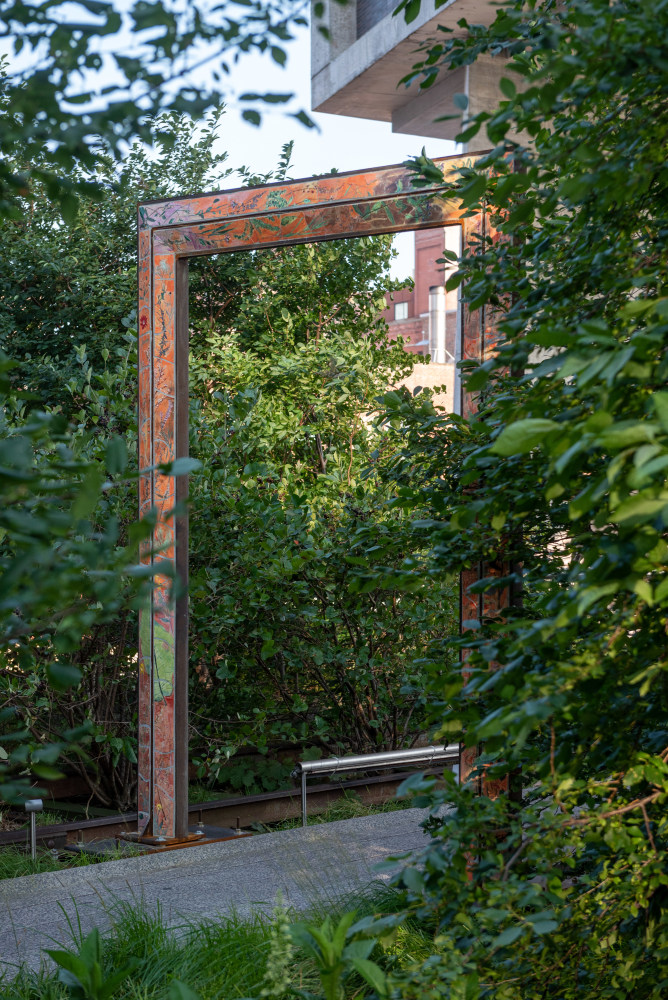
(132, 844)
(200, 834)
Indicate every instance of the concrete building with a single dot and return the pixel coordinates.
(357, 69)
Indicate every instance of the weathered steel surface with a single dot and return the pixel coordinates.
(342, 205)
(479, 341)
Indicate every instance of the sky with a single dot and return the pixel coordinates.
(341, 142)
(338, 142)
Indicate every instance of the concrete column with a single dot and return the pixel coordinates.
(341, 23)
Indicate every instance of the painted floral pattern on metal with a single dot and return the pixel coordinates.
(336, 206)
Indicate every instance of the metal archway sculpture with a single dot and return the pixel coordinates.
(170, 233)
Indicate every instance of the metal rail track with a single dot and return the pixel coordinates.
(266, 808)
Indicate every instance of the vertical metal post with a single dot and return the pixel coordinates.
(163, 657)
(479, 337)
(33, 806)
(453, 241)
(303, 798)
(181, 559)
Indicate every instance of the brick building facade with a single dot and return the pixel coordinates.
(425, 316)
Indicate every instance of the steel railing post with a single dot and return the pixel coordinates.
(33, 806)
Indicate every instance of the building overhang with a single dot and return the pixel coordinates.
(359, 77)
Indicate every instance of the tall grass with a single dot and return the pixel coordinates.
(16, 861)
(221, 960)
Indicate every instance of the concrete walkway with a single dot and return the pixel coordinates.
(308, 866)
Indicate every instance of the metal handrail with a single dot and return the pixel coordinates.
(372, 761)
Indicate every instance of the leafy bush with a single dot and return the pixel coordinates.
(551, 882)
(288, 357)
(66, 575)
(289, 652)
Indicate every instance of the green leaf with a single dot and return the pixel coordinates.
(544, 926)
(88, 495)
(660, 404)
(69, 208)
(520, 437)
(70, 963)
(116, 456)
(358, 949)
(181, 466)
(507, 87)
(268, 648)
(640, 509)
(589, 595)
(268, 98)
(509, 936)
(411, 9)
(63, 676)
(413, 879)
(625, 434)
(113, 981)
(90, 951)
(304, 119)
(372, 974)
(46, 772)
(179, 991)
(468, 133)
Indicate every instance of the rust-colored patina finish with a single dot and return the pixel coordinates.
(479, 342)
(170, 232)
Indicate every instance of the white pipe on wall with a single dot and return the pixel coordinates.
(437, 324)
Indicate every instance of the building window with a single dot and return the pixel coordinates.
(401, 310)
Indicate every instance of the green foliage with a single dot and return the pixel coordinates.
(337, 951)
(15, 862)
(223, 958)
(66, 569)
(288, 360)
(280, 958)
(61, 289)
(288, 357)
(179, 991)
(66, 314)
(81, 972)
(87, 77)
(557, 487)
